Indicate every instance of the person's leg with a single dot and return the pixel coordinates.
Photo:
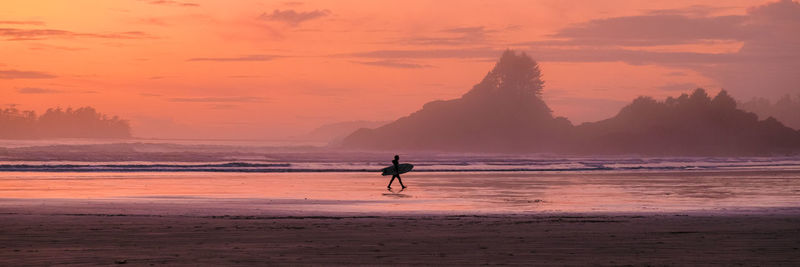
(392, 180)
(401, 181)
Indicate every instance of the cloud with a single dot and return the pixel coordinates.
(22, 22)
(245, 76)
(633, 57)
(234, 99)
(293, 18)
(430, 53)
(392, 64)
(556, 54)
(173, 3)
(241, 58)
(19, 74)
(693, 10)
(651, 30)
(222, 106)
(767, 63)
(35, 90)
(13, 34)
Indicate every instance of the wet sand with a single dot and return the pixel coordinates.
(719, 218)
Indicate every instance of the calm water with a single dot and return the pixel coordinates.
(428, 192)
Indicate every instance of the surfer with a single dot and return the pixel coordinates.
(396, 163)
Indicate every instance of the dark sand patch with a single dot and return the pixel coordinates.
(654, 239)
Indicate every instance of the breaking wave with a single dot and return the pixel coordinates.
(460, 165)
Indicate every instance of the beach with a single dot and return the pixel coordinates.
(654, 239)
(747, 217)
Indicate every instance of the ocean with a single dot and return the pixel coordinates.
(230, 179)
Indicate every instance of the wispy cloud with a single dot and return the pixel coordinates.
(393, 64)
(240, 58)
(36, 90)
(245, 76)
(430, 53)
(20, 74)
(14, 34)
(233, 99)
(694, 10)
(652, 30)
(677, 73)
(173, 3)
(292, 17)
(768, 58)
(22, 22)
(223, 106)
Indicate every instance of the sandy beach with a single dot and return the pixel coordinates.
(653, 218)
(574, 239)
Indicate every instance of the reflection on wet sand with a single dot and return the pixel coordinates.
(394, 193)
(479, 192)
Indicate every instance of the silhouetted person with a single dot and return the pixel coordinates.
(396, 163)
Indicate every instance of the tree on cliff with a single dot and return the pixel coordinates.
(504, 112)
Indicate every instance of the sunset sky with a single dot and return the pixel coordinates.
(273, 69)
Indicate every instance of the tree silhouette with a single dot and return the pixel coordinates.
(786, 109)
(514, 74)
(505, 113)
(83, 122)
(692, 124)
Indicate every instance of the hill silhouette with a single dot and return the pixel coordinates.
(505, 113)
(83, 122)
(692, 124)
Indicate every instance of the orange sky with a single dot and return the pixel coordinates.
(272, 69)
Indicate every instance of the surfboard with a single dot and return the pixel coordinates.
(403, 168)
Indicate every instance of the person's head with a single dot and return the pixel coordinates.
(396, 157)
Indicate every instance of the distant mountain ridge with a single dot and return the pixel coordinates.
(505, 113)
